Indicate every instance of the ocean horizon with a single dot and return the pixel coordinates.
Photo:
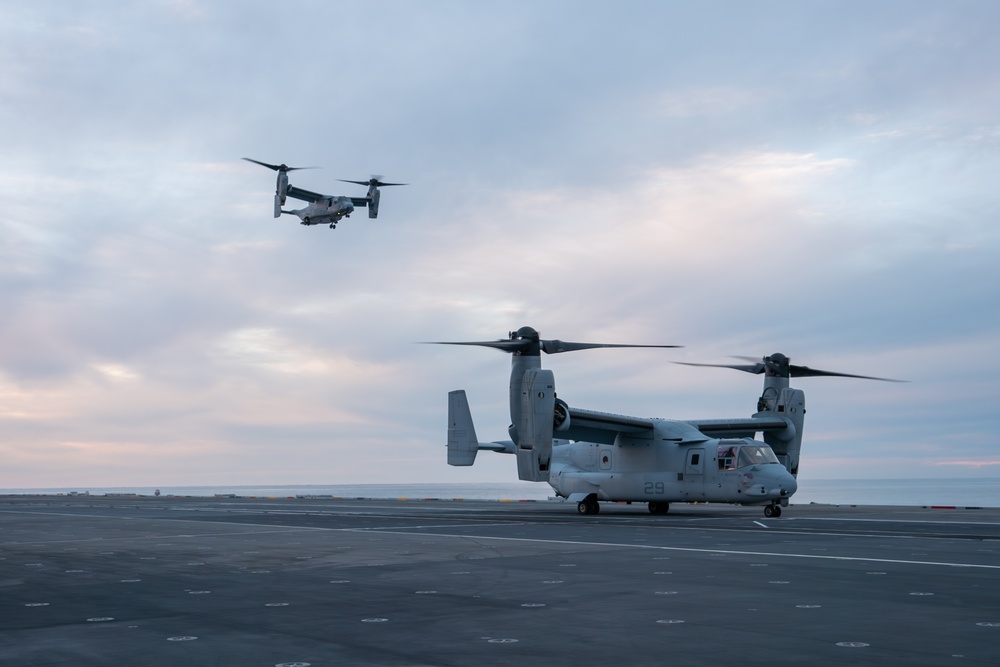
(952, 492)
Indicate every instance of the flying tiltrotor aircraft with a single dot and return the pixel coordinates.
(322, 209)
(589, 456)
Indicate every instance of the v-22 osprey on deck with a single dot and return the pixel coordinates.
(588, 456)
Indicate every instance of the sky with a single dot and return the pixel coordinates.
(740, 178)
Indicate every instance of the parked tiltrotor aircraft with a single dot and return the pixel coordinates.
(588, 456)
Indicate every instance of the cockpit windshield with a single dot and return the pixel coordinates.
(742, 456)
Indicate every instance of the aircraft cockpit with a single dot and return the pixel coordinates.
(732, 456)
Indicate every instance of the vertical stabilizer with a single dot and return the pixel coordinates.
(462, 442)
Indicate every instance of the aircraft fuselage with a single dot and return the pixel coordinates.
(635, 469)
(329, 210)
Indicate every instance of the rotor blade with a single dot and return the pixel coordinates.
(756, 369)
(505, 345)
(805, 371)
(374, 181)
(277, 167)
(263, 164)
(526, 341)
(793, 370)
(556, 346)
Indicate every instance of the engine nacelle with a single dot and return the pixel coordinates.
(281, 188)
(373, 196)
(280, 192)
(560, 419)
(786, 444)
(534, 446)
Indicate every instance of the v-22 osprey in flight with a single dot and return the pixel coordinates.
(322, 209)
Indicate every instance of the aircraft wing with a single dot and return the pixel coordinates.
(359, 201)
(738, 428)
(304, 195)
(603, 427)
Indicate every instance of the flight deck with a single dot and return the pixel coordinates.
(93, 580)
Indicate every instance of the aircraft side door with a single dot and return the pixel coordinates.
(694, 473)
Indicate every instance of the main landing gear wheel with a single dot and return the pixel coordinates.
(588, 506)
(333, 226)
(772, 511)
(658, 508)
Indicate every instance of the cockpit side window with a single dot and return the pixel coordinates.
(727, 457)
(756, 455)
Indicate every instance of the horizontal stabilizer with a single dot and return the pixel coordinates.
(501, 447)
(462, 442)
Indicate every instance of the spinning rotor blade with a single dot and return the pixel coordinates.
(277, 167)
(374, 180)
(778, 365)
(525, 341)
(756, 369)
(505, 345)
(556, 346)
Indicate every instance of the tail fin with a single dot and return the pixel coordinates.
(462, 442)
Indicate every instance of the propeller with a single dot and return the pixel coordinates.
(526, 342)
(778, 365)
(284, 168)
(374, 181)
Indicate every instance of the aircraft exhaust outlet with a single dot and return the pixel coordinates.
(561, 420)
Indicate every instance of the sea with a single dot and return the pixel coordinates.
(939, 492)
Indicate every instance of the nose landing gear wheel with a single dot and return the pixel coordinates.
(772, 511)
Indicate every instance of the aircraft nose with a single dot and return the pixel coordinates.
(787, 484)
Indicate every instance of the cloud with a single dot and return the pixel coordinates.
(739, 186)
(709, 101)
